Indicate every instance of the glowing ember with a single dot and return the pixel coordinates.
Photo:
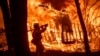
(52, 38)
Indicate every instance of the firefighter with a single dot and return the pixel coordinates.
(37, 38)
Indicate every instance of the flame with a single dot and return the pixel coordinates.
(45, 13)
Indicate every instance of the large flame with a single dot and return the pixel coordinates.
(46, 13)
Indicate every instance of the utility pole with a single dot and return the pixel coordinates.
(86, 43)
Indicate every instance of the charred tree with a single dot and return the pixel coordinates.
(18, 10)
(86, 43)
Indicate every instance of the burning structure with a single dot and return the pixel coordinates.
(64, 30)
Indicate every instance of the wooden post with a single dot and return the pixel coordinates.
(86, 43)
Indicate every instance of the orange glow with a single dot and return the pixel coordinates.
(52, 36)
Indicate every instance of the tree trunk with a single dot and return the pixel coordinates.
(19, 26)
(7, 23)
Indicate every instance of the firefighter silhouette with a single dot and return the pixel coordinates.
(37, 38)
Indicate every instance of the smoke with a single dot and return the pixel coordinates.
(56, 4)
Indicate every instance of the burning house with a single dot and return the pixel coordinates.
(73, 26)
(64, 31)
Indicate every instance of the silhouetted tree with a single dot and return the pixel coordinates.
(18, 10)
(7, 22)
